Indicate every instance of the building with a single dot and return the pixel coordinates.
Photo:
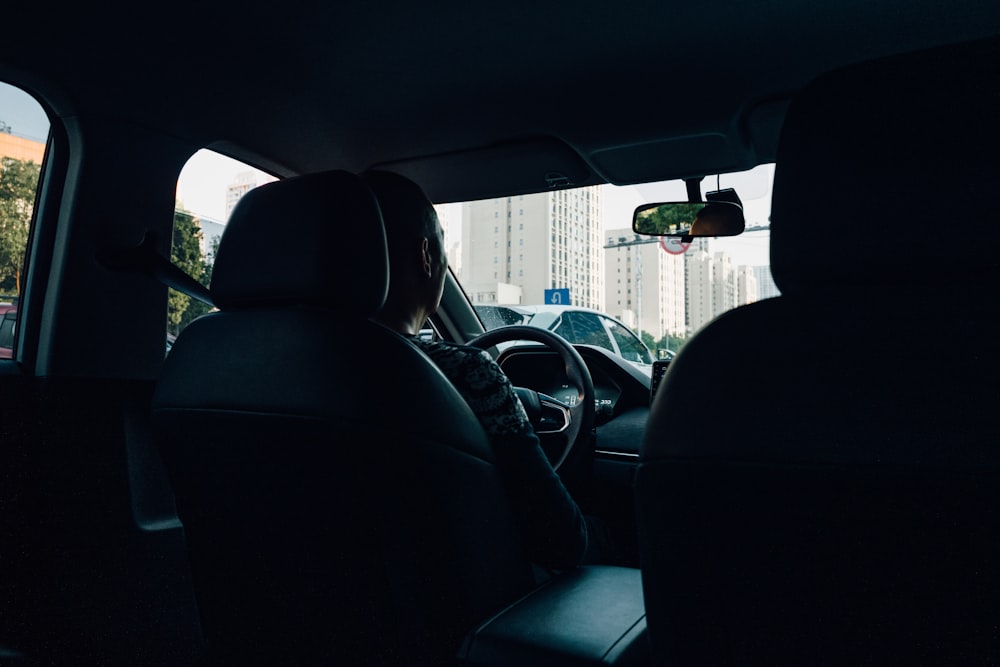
(244, 182)
(766, 288)
(747, 288)
(714, 284)
(644, 284)
(559, 229)
(20, 148)
(450, 217)
(699, 279)
(724, 287)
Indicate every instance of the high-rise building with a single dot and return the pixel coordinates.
(644, 284)
(765, 283)
(244, 182)
(724, 288)
(449, 215)
(747, 287)
(560, 230)
(715, 284)
(699, 278)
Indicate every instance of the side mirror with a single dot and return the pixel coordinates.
(714, 218)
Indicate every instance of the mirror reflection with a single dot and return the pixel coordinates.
(689, 219)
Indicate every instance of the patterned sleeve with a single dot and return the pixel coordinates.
(485, 387)
(553, 526)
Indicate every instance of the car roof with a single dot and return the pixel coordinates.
(473, 100)
(554, 308)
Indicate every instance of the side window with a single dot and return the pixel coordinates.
(24, 130)
(631, 347)
(209, 186)
(584, 328)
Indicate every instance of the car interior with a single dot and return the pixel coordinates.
(805, 481)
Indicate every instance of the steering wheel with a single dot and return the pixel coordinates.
(564, 429)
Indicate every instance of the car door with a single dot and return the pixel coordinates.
(92, 565)
(628, 344)
(584, 328)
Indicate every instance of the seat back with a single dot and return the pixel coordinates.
(339, 499)
(819, 481)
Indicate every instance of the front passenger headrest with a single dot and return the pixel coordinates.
(315, 239)
(887, 174)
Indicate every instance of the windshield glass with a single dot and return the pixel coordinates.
(569, 261)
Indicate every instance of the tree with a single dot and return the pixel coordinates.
(186, 254)
(196, 308)
(18, 185)
(672, 342)
(670, 218)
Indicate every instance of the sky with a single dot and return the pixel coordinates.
(753, 188)
(23, 114)
(201, 187)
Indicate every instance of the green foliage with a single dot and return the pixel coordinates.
(186, 254)
(669, 219)
(669, 342)
(672, 342)
(18, 185)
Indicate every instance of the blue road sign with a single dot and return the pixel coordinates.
(558, 297)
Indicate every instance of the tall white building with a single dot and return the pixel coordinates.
(699, 278)
(715, 284)
(747, 288)
(765, 283)
(449, 215)
(560, 230)
(211, 232)
(244, 182)
(644, 284)
(724, 291)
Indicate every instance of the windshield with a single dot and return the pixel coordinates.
(564, 260)
(569, 261)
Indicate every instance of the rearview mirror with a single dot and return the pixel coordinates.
(716, 218)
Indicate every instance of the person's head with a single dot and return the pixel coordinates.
(713, 219)
(417, 261)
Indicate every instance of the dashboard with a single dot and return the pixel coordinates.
(622, 398)
(621, 391)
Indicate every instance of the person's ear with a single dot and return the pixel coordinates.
(426, 258)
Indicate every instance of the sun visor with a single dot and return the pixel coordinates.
(709, 153)
(501, 170)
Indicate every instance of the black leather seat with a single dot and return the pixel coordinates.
(339, 498)
(819, 481)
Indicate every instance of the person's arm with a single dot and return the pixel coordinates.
(554, 529)
(553, 526)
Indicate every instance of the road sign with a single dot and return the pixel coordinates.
(558, 297)
(673, 245)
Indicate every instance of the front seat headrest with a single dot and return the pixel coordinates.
(316, 239)
(887, 173)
